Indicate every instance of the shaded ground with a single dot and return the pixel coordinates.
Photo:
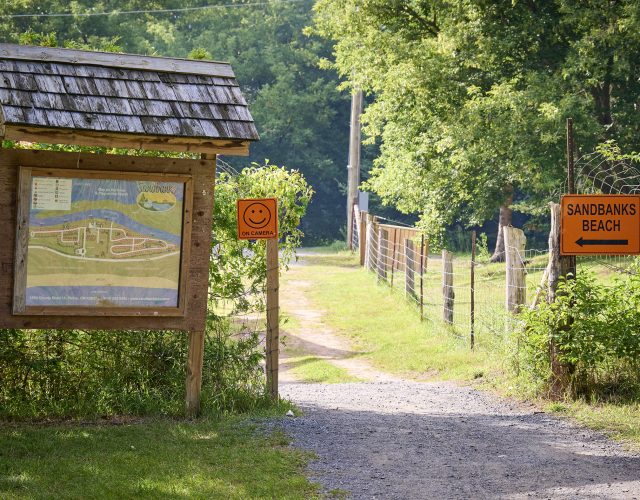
(441, 441)
(391, 438)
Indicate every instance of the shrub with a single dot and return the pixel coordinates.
(596, 328)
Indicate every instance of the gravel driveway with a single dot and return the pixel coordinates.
(408, 440)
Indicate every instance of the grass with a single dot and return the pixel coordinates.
(382, 324)
(312, 369)
(226, 458)
(621, 421)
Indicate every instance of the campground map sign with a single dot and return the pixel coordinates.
(104, 242)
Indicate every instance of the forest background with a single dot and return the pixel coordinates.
(466, 99)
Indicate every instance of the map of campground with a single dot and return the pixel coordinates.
(104, 242)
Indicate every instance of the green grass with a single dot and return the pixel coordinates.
(382, 324)
(150, 459)
(312, 369)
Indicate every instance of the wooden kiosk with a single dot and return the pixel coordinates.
(105, 241)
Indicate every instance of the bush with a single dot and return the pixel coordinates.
(596, 328)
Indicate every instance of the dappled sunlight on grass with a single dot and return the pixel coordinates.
(206, 459)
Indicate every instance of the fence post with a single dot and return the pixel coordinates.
(394, 254)
(273, 318)
(514, 243)
(364, 217)
(448, 294)
(368, 262)
(355, 230)
(558, 267)
(472, 295)
(423, 262)
(409, 273)
(383, 247)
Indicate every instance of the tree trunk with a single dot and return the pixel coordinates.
(504, 220)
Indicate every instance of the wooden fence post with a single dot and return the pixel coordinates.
(383, 247)
(472, 294)
(273, 317)
(514, 244)
(558, 267)
(409, 273)
(394, 253)
(448, 294)
(423, 266)
(372, 245)
(364, 217)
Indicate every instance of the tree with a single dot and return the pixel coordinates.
(471, 97)
(302, 118)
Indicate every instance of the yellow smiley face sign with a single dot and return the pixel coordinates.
(257, 218)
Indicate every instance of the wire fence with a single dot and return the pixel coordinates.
(470, 295)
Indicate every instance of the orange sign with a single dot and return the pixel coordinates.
(600, 224)
(257, 219)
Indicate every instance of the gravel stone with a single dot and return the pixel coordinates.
(423, 440)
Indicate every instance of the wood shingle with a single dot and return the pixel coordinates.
(181, 104)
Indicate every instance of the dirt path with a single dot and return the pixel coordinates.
(391, 438)
(318, 339)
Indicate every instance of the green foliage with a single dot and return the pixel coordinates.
(482, 248)
(239, 270)
(595, 328)
(199, 54)
(470, 98)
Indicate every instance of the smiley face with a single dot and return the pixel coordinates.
(257, 215)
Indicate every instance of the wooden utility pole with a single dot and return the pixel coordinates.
(353, 169)
(273, 317)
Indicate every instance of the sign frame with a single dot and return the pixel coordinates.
(197, 221)
(619, 236)
(248, 231)
(26, 174)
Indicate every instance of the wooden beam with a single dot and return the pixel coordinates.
(195, 361)
(76, 137)
(115, 60)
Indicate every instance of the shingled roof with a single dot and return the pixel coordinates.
(122, 100)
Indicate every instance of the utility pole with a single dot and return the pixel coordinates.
(353, 168)
(569, 261)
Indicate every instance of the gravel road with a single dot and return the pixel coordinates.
(402, 439)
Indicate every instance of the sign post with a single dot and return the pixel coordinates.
(600, 225)
(258, 220)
